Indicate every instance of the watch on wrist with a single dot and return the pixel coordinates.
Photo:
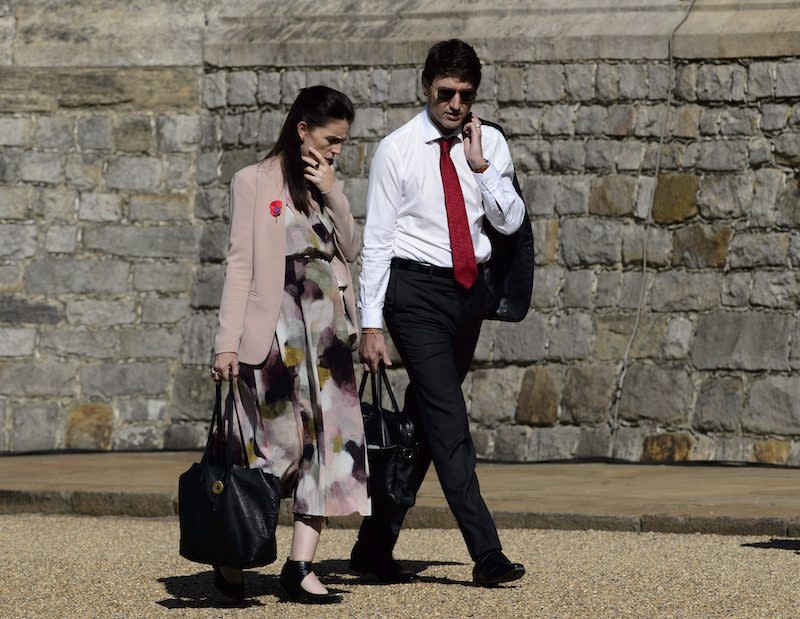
(482, 168)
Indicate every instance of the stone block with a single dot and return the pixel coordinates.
(545, 82)
(95, 133)
(34, 426)
(767, 187)
(108, 380)
(95, 312)
(760, 152)
(53, 132)
(580, 81)
(590, 241)
(568, 155)
(607, 82)
(41, 377)
(771, 451)
(494, 393)
(179, 173)
(632, 80)
(14, 131)
(134, 173)
(242, 86)
(794, 251)
(607, 288)
(379, 86)
(594, 442)
(268, 89)
(211, 203)
(612, 195)
(661, 394)
(758, 249)
(521, 342)
(539, 396)
(787, 79)
(650, 120)
(144, 242)
(18, 311)
(630, 292)
(149, 342)
(403, 86)
(659, 245)
(199, 339)
(675, 198)
(741, 340)
(686, 121)
(185, 436)
(214, 90)
(627, 443)
(191, 393)
(89, 426)
(231, 129)
(588, 393)
(209, 131)
(557, 443)
(14, 202)
(81, 342)
(207, 288)
(727, 155)
(578, 289)
(572, 194)
(38, 167)
(667, 448)
(483, 440)
(209, 170)
(61, 239)
(591, 120)
(138, 437)
(531, 156)
(719, 404)
(558, 120)
(774, 116)
(9, 165)
(571, 337)
(761, 79)
(251, 122)
(369, 123)
(660, 78)
(511, 443)
(678, 338)
(681, 291)
(17, 241)
(724, 82)
(16, 342)
(645, 197)
(100, 207)
(165, 310)
(169, 207)
(788, 205)
(698, 246)
(601, 155)
(10, 278)
(614, 331)
(133, 133)
(60, 275)
(775, 290)
(620, 120)
(773, 406)
(539, 194)
(545, 241)
(738, 122)
(84, 170)
(736, 289)
(725, 196)
(546, 285)
(179, 133)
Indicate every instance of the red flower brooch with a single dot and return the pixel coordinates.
(275, 208)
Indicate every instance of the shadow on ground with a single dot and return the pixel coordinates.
(777, 544)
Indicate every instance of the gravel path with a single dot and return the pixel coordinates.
(82, 567)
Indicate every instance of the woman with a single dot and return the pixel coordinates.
(286, 323)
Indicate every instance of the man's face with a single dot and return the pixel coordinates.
(449, 101)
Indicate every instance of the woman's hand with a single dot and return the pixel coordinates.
(319, 171)
(225, 363)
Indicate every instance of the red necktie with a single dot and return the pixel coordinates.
(465, 269)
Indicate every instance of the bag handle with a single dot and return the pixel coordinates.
(216, 422)
(230, 411)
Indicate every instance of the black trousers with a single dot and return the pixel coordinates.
(435, 325)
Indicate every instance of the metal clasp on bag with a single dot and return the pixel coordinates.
(217, 487)
(407, 453)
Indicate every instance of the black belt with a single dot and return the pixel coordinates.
(404, 264)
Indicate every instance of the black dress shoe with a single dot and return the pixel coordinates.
(232, 590)
(494, 568)
(292, 575)
(384, 567)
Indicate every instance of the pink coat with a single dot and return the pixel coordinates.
(256, 263)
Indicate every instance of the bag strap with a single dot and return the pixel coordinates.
(216, 422)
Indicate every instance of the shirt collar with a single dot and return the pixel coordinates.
(430, 132)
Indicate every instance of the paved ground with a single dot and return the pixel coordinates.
(712, 499)
(113, 567)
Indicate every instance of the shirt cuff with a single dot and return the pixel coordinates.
(372, 317)
(490, 179)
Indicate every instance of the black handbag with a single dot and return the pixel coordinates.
(391, 444)
(227, 511)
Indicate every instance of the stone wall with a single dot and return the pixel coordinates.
(114, 167)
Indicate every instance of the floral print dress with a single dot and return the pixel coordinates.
(305, 423)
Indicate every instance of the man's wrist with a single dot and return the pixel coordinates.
(372, 331)
(481, 168)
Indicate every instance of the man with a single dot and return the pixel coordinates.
(432, 183)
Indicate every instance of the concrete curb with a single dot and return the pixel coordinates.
(154, 505)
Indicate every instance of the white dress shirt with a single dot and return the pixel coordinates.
(406, 215)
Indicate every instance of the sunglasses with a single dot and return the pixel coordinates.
(445, 94)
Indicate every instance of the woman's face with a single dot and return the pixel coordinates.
(326, 140)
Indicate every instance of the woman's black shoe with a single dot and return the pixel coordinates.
(292, 575)
(231, 590)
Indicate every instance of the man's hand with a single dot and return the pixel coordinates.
(473, 145)
(372, 350)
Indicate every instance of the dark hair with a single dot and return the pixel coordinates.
(316, 105)
(452, 58)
